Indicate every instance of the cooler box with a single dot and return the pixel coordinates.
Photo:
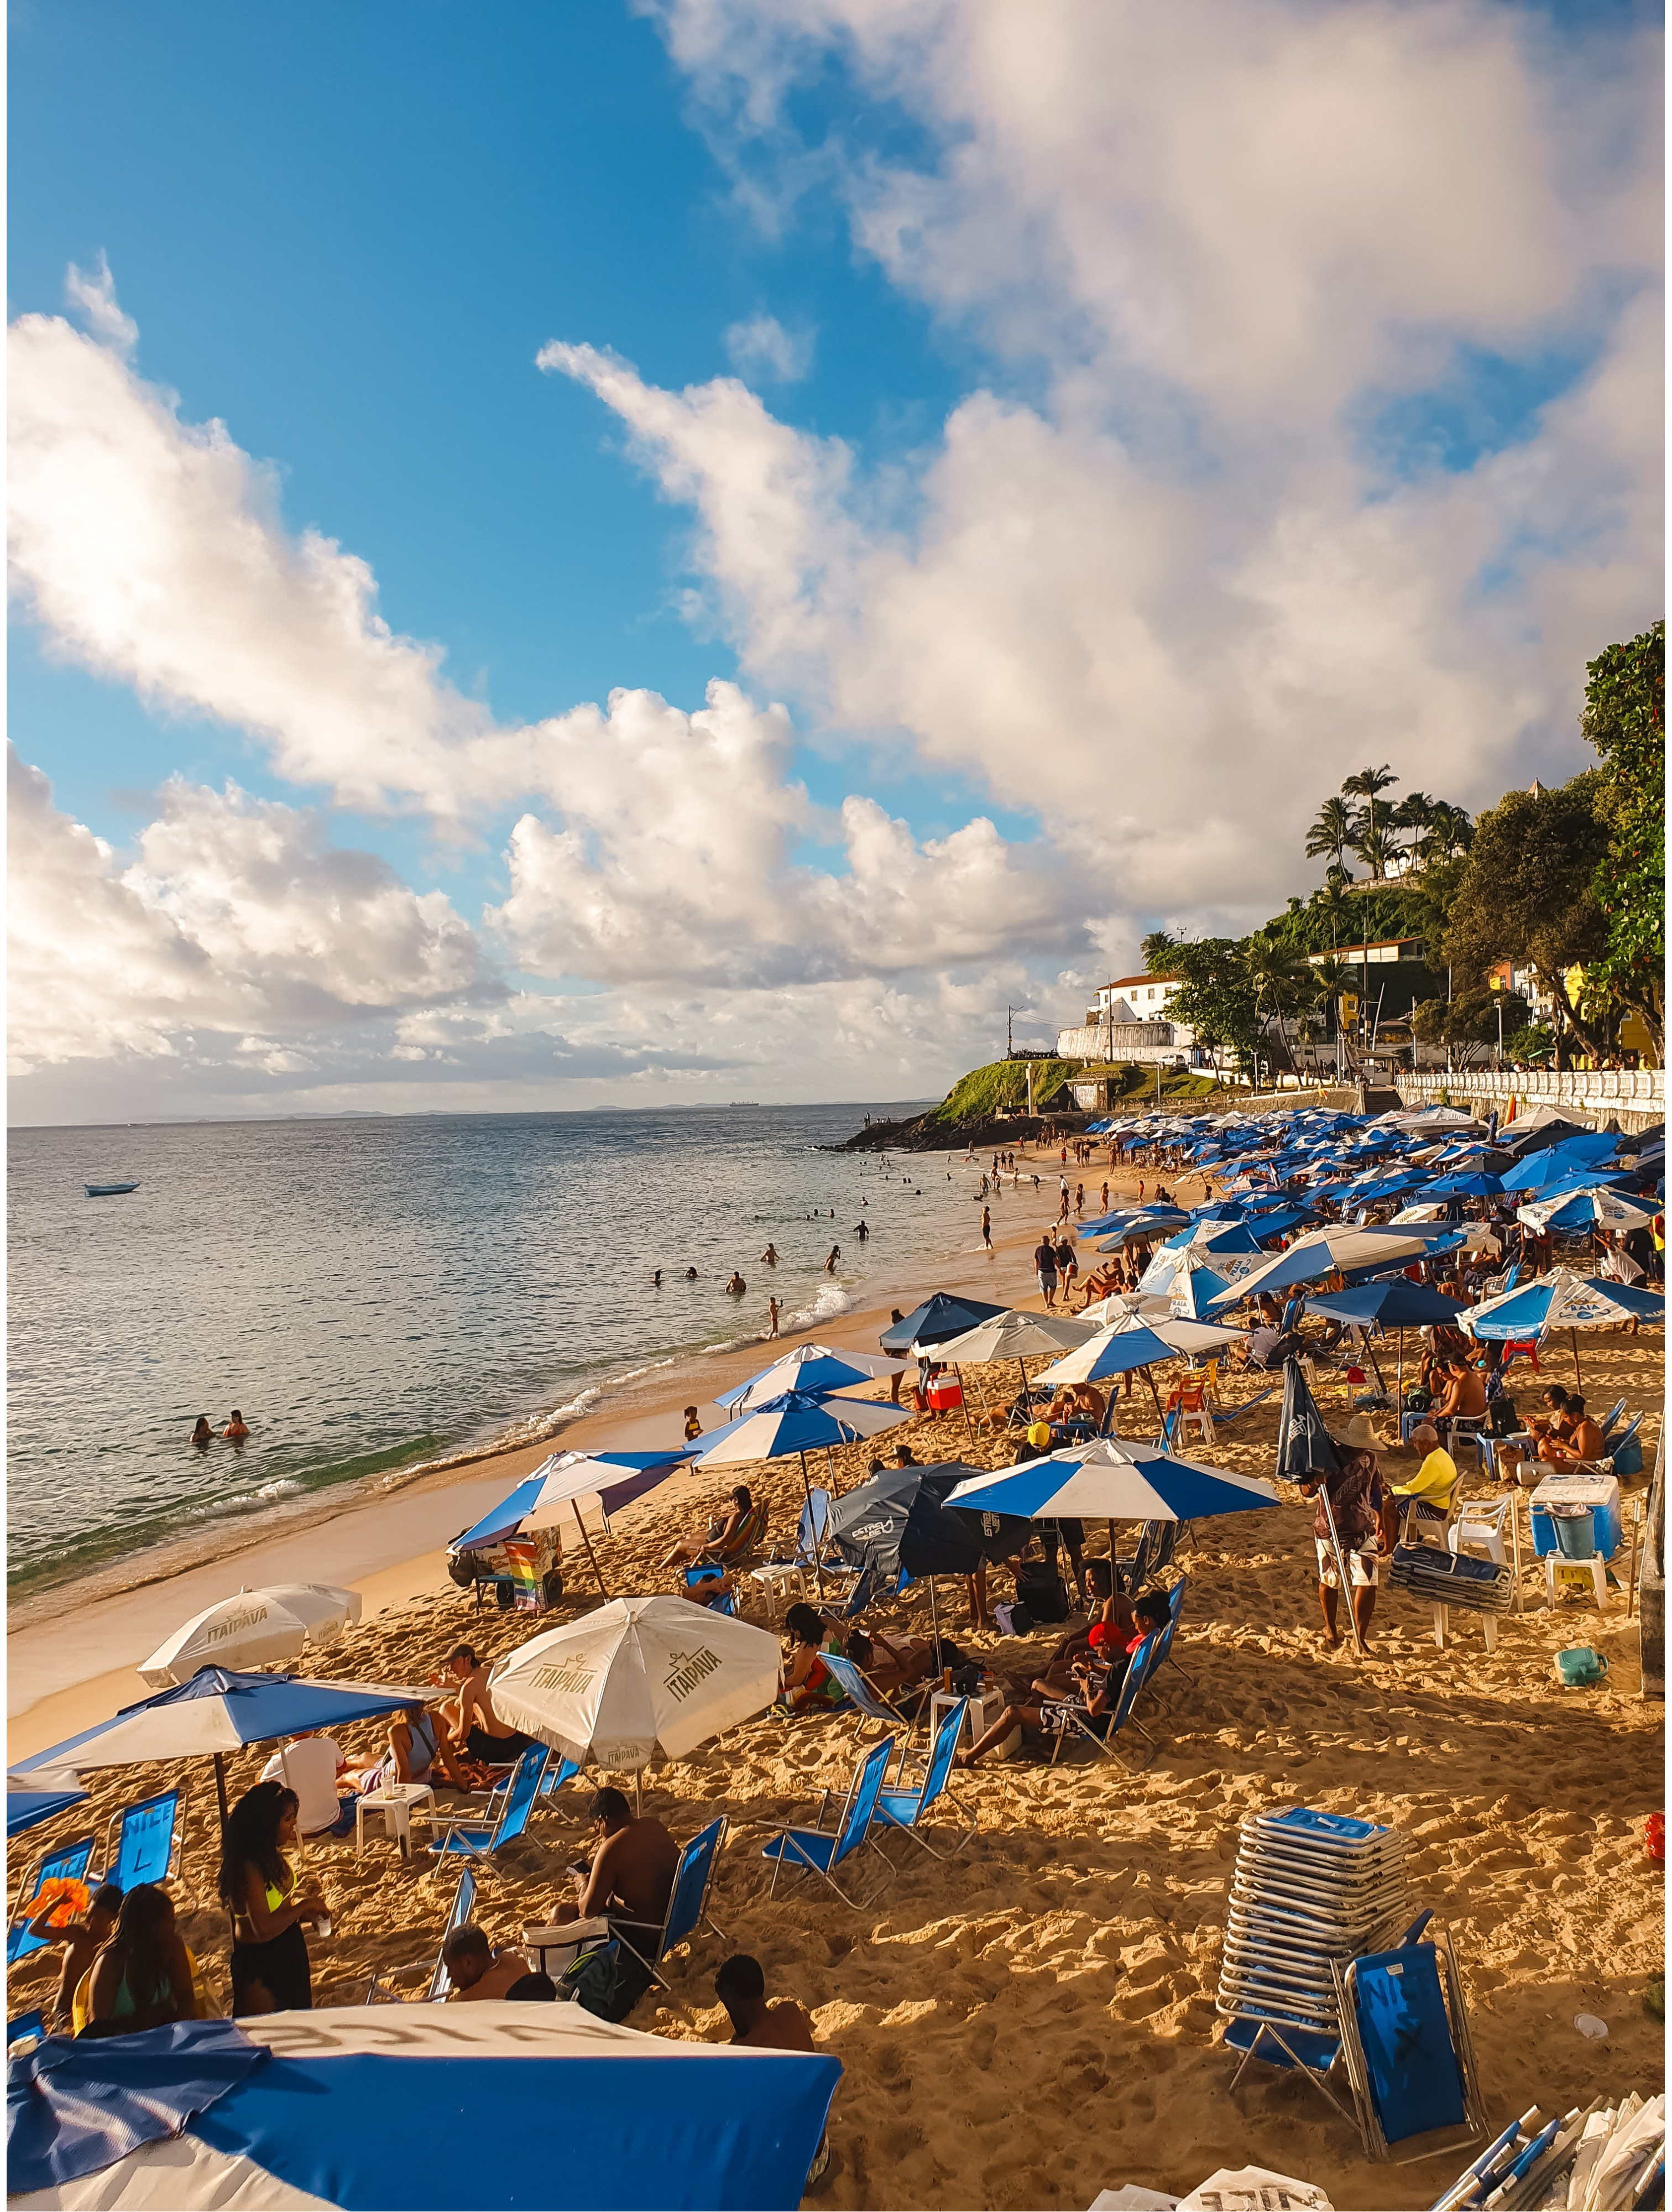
(1599, 1491)
(944, 1394)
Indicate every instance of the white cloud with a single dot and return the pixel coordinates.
(762, 347)
(236, 915)
(95, 299)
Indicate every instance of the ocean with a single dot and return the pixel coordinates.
(378, 1293)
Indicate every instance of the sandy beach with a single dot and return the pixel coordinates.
(1033, 2019)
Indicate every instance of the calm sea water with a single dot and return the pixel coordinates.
(378, 1292)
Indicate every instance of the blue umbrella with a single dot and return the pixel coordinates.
(1111, 1480)
(28, 1808)
(1562, 1299)
(1397, 1305)
(940, 1317)
(1539, 1169)
(813, 1369)
(215, 1713)
(564, 1479)
(1115, 1351)
(790, 1426)
(1474, 1182)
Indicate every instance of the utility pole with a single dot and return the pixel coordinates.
(1010, 1031)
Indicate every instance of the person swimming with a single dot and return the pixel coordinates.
(236, 1429)
(203, 1435)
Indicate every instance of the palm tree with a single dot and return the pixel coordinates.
(1368, 781)
(1332, 832)
(1414, 812)
(1374, 845)
(1284, 981)
(1449, 830)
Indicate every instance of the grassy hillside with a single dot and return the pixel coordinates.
(986, 1094)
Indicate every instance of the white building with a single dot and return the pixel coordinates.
(1128, 1022)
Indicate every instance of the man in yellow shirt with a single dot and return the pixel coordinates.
(1430, 1491)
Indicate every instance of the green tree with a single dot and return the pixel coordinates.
(1526, 895)
(1625, 718)
(1449, 830)
(1468, 1022)
(1370, 839)
(1414, 812)
(1374, 844)
(1217, 998)
(1332, 833)
(1284, 983)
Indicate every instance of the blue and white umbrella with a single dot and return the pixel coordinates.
(38, 1797)
(1593, 1206)
(814, 1369)
(1561, 1299)
(521, 2105)
(215, 1713)
(1111, 1351)
(613, 1479)
(1110, 1480)
(795, 1423)
(1342, 1246)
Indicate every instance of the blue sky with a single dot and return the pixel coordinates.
(1123, 488)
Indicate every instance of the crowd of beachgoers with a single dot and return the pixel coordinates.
(1307, 1346)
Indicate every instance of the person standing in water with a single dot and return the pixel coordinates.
(831, 1264)
(235, 1431)
(770, 1257)
(986, 1227)
(773, 1309)
(203, 1436)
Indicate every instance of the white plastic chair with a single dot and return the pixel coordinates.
(1479, 1525)
(1200, 1413)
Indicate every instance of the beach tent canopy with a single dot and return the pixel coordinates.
(218, 1711)
(638, 1679)
(939, 1316)
(1561, 1299)
(540, 1500)
(38, 1798)
(1110, 1480)
(1398, 1304)
(256, 1628)
(428, 2107)
(814, 1369)
(897, 1522)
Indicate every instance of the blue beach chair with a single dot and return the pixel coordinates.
(687, 1904)
(727, 1605)
(1163, 1650)
(378, 1990)
(473, 1838)
(1105, 1731)
(560, 1771)
(146, 1842)
(821, 1854)
(26, 2023)
(1409, 2057)
(862, 1693)
(70, 1864)
(905, 1809)
(1292, 2045)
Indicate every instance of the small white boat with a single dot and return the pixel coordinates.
(110, 1189)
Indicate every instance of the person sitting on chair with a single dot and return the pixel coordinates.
(1429, 1492)
(808, 1680)
(890, 1666)
(481, 1975)
(719, 1539)
(142, 1977)
(82, 1939)
(1099, 1678)
(758, 2026)
(629, 1882)
(1581, 1440)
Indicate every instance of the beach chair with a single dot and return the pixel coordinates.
(748, 1539)
(68, 1863)
(727, 1605)
(479, 1837)
(903, 1809)
(26, 2023)
(1223, 1421)
(1187, 1404)
(378, 1990)
(1608, 1420)
(560, 1771)
(147, 1842)
(1409, 2057)
(687, 1904)
(1163, 1642)
(1105, 1731)
(867, 1700)
(813, 1851)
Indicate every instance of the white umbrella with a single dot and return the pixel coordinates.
(1123, 1306)
(322, 1609)
(639, 1678)
(253, 1629)
(1015, 1335)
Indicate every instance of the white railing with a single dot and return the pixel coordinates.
(1642, 1086)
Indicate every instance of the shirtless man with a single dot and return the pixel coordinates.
(741, 1988)
(481, 1975)
(735, 1286)
(471, 1728)
(1464, 1398)
(631, 1876)
(1578, 1440)
(770, 1257)
(890, 1666)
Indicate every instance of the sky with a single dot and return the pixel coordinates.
(653, 553)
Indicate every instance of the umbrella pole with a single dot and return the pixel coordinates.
(1149, 1376)
(830, 1468)
(964, 1400)
(1573, 1339)
(935, 1617)
(817, 1548)
(1399, 1372)
(221, 1788)
(1381, 1382)
(575, 1508)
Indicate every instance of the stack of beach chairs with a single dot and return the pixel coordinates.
(1452, 1578)
(1310, 1890)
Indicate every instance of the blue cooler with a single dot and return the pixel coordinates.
(1599, 1492)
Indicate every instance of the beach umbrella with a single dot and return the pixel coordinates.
(1112, 1479)
(1196, 1292)
(218, 1711)
(1399, 1305)
(1541, 1170)
(1110, 1352)
(792, 1426)
(1560, 1300)
(1304, 1446)
(939, 1316)
(638, 1679)
(35, 1798)
(255, 1628)
(558, 1484)
(1592, 1207)
(1322, 1250)
(898, 1522)
(1017, 1335)
(813, 1368)
(1466, 1182)
(306, 2109)
(1122, 1306)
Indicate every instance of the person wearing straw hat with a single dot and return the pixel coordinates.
(1357, 1501)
